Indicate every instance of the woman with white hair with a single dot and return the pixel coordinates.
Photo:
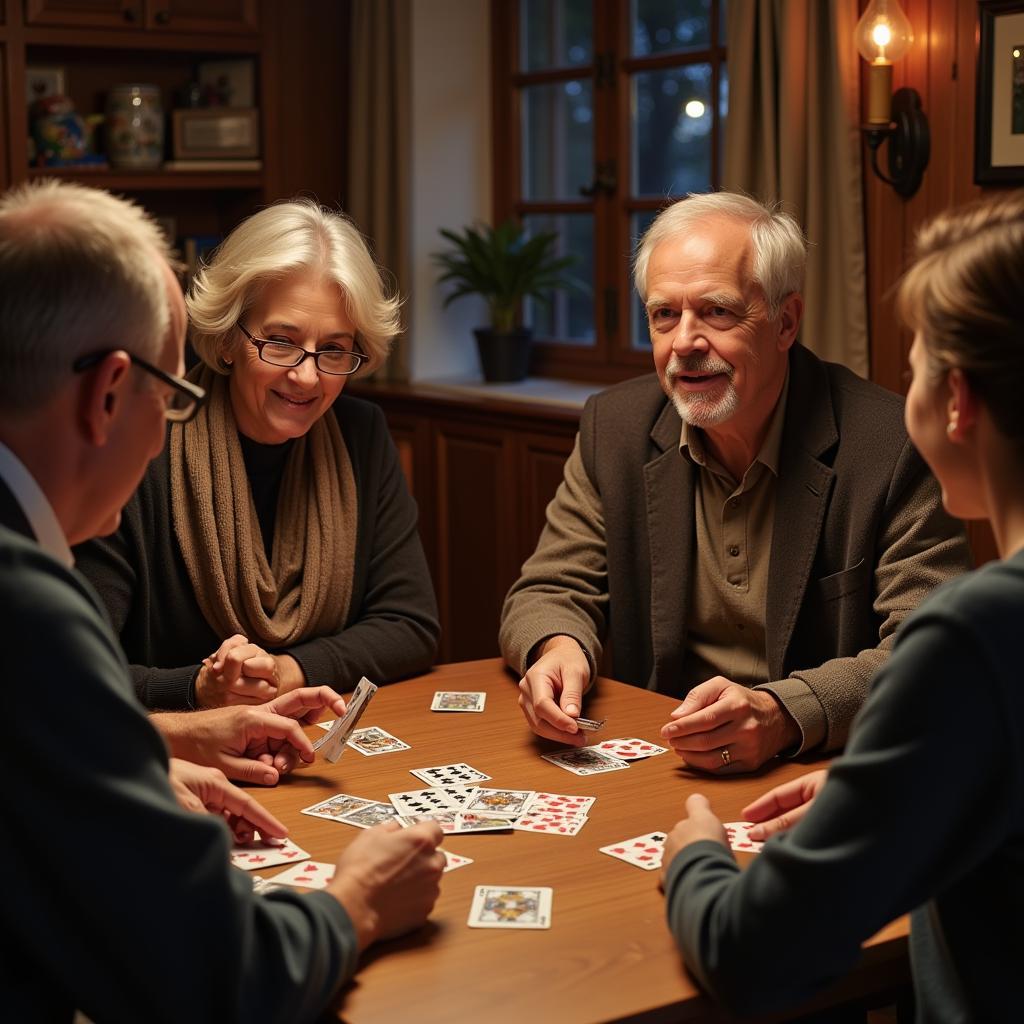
(273, 544)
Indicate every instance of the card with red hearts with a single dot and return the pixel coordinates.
(640, 851)
(629, 749)
(314, 874)
(263, 854)
(739, 838)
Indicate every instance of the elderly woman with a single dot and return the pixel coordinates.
(273, 544)
(925, 811)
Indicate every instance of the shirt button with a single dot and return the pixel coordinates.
(734, 550)
(734, 503)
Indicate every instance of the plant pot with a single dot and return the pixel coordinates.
(504, 357)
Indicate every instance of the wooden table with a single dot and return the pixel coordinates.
(608, 954)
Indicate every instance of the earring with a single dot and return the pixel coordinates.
(951, 427)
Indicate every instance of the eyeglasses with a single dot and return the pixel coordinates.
(329, 360)
(183, 401)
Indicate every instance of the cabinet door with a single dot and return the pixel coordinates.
(203, 15)
(85, 13)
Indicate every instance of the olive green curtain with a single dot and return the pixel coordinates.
(792, 135)
(380, 145)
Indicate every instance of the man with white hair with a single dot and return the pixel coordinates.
(121, 901)
(755, 559)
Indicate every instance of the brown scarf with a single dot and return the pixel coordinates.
(306, 589)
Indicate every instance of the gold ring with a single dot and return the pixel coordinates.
(726, 759)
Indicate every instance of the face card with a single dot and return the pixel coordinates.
(470, 822)
(422, 801)
(370, 815)
(629, 749)
(454, 860)
(505, 803)
(551, 824)
(337, 806)
(591, 724)
(314, 874)
(737, 831)
(585, 761)
(511, 906)
(375, 741)
(641, 851)
(458, 700)
(333, 744)
(262, 854)
(560, 803)
(446, 819)
(450, 775)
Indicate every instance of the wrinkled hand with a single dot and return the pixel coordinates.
(238, 672)
(205, 790)
(700, 823)
(781, 808)
(250, 744)
(389, 879)
(551, 692)
(720, 715)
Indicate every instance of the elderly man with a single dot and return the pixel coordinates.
(755, 559)
(123, 903)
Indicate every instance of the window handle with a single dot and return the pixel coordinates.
(605, 181)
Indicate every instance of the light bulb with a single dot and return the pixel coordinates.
(883, 34)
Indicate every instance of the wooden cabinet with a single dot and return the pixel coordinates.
(160, 15)
(482, 474)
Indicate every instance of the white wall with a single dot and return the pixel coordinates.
(451, 173)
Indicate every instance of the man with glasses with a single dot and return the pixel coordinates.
(123, 902)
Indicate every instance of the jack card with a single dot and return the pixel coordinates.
(336, 807)
(504, 803)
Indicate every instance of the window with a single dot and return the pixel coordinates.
(603, 110)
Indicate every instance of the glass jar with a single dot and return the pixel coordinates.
(135, 126)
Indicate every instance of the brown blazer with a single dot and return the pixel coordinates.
(860, 538)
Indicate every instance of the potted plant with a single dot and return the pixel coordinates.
(504, 266)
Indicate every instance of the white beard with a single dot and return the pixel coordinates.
(701, 409)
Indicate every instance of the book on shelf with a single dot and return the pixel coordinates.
(213, 165)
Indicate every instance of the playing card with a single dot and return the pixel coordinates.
(370, 815)
(641, 851)
(423, 801)
(629, 749)
(470, 822)
(446, 819)
(458, 796)
(585, 761)
(333, 744)
(449, 775)
(314, 874)
(591, 724)
(551, 824)
(262, 854)
(458, 700)
(739, 839)
(505, 803)
(337, 806)
(560, 803)
(511, 906)
(374, 740)
(261, 885)
(455, 860)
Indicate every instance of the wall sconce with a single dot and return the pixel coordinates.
(883, 35)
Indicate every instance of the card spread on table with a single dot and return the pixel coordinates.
(591, 724)
(370, 815)
(505, 803)
(446, 819)
(511, 906)
(739, 839)
(550, 824)
(333, 744)
(458, 700)
(560, 803)
(262, 853)
(337, 806)
(585, 761)
(629, 749)
(640, 851)
(455, 860)
(433, 798)
(449, 775)
(374, 740)
(314, 874)
(469, 822)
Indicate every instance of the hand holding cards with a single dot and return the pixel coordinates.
(333, 744)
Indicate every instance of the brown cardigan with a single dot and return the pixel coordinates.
(860, 539)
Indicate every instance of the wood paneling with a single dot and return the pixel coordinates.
(941, 65)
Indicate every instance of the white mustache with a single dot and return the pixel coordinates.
(696, 364)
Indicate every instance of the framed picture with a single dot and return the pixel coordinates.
(216, 132)
(43, 82)
(228, 83)
(999, 124)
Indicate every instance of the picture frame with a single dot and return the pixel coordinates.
(228, 83)
(999, 122)
(216, 133)
(41, 82)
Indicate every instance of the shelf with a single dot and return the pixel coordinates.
(142, 181)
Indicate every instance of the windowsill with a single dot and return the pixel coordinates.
(542, 390)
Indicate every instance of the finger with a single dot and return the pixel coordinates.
(237, 656)
(700, 721)
(571, 699)
(697, 803)
(772, 803)
(218, 656)
(241, 829)
(713, 764)
(238, 802)
(703, 742)
(244, 769)
(773, 826)
(251, 686)
(262, 665)
(307, 702)
(282, 730)
(548, 711)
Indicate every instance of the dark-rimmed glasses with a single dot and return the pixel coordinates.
(338, 361)
(185, 398)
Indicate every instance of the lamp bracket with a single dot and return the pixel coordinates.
(909, 143)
